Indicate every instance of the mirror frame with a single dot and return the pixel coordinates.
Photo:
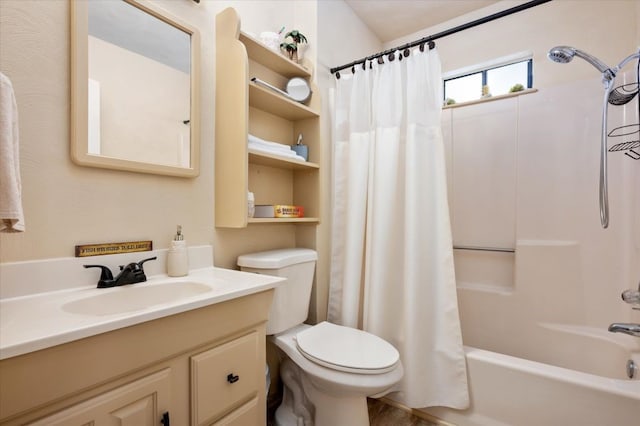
(79, 96)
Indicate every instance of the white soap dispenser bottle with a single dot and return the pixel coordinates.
(177, 258)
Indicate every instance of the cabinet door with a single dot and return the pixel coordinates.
(140, 403)
(224, 377)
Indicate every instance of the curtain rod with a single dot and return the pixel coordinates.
(429, 39)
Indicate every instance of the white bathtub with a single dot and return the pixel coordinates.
(507, 390)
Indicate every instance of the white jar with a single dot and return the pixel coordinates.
(271, 40)
(178, 259)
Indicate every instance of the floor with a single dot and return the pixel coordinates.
(380, 414)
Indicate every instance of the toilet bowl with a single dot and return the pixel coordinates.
(327, 370)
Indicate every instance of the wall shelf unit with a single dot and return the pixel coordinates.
(244, 108)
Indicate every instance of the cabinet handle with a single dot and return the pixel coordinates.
(232, 379)
(165, 419)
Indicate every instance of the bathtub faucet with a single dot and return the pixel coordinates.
(631, 329)
(632, 297)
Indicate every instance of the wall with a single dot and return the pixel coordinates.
(606, 29)
(65, 204)
(551, 170)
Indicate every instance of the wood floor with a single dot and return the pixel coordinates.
(380, 414)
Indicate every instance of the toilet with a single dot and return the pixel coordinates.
(327, 370)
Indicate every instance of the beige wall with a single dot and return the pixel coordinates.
(66, 204)
(606, 29)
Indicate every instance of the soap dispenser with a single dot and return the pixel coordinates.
(177, 258)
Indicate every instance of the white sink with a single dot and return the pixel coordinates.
(134, 297)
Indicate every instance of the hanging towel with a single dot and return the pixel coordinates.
(11, 214)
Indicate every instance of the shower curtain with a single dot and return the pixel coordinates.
(392, 268)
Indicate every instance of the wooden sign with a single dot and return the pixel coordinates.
(113, 248)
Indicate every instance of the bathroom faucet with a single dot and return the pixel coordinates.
(630, 329)
(129, 274)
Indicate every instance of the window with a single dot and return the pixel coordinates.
(490, 81)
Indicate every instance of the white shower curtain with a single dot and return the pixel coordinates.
(392, 258)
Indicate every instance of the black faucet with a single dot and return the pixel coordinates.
(129, 274)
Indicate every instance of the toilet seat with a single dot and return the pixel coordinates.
(346, 349)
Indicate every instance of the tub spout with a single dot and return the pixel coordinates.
(631, 329)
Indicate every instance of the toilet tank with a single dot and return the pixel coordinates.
(290, 305)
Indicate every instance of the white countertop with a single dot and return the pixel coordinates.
(38, 321)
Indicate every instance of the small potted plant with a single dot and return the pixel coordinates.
(291, 47)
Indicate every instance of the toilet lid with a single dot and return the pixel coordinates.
(347, 349)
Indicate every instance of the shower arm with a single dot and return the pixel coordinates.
(626, 60)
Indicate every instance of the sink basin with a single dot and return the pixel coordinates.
(134, 298)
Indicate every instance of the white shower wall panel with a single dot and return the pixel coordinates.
(483, 146)
(527, 169)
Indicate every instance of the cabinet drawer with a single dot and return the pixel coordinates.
(224, 377)
(247, 415)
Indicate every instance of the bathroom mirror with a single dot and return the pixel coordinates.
(134, 83)
(298, 89)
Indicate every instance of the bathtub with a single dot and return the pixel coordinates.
(510, 390)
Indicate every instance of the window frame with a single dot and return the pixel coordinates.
(482, 69)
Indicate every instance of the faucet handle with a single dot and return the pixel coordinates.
(141, 263)
(106, 277)
(631, 296)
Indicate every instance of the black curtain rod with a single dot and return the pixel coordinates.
(429, 39)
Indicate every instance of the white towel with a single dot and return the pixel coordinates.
(262, 150)
(11, 214)
(260, 145)
(254, 140)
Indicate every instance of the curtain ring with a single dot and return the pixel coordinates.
(364, 65)
(380, 60)
(406, 52)
(353, 70)
(432, 44)
(392, 56)
(371, 64)
(338, 75)
(422, 47)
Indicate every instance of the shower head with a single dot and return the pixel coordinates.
(564, 54)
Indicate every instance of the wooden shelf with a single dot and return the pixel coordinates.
(268, 100)
(284, 220)
(264, 159)
(273, 60)
(244, 106)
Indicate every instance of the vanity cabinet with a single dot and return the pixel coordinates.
(202, 367)
(244, 108)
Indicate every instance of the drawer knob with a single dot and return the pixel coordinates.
(231, 378)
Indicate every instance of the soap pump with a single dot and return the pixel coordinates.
(177, 258)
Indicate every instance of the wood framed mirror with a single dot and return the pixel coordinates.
(134, 88)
